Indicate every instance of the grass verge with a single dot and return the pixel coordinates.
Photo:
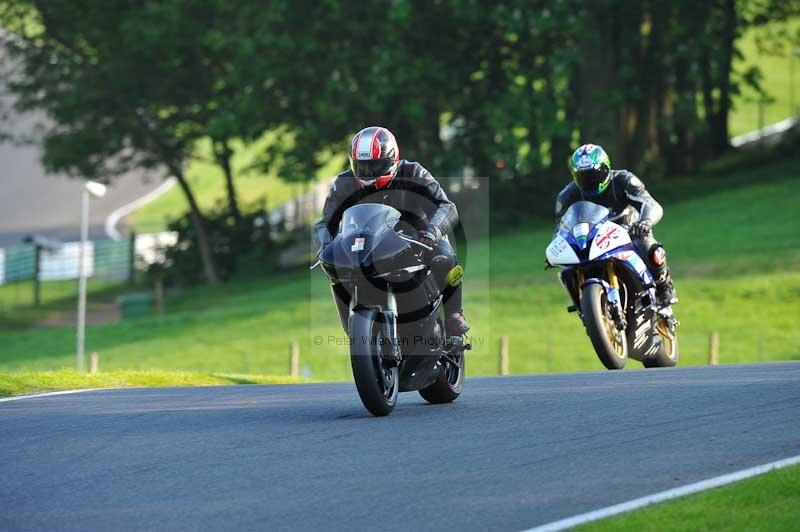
(733, 249)
(776, 73)
(67, 379)
(767, 502)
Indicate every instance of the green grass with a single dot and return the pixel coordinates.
(734, 247)
(776, 82)
(764, 503)
(56, 297)
(48, 381)
(253, 187)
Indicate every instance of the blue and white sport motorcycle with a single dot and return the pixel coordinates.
(612, 289)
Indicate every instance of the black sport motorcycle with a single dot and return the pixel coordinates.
(396, 333)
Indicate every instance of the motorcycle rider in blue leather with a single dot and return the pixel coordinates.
(630, 204)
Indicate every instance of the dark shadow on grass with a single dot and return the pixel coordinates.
(234, 380)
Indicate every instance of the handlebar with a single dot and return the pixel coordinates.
(414, 241)
(404, 237)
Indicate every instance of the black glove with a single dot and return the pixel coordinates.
(428, 236)
(641, 229)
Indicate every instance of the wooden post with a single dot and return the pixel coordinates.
(94, 363)
(503, 366)
(294, 359)
(713, 349)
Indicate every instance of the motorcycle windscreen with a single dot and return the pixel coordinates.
(369, 219)
(367, 234)
(583, 212)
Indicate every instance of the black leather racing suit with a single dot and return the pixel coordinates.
(422, 203)
(629, 201)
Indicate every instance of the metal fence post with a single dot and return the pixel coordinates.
(37, 283)
(132, 259)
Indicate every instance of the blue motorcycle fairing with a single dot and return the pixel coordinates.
(611, 293)
(566, 235)
(593, 231)
(627, 255)
(572, 241)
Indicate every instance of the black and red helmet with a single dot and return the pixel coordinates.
(374, 156)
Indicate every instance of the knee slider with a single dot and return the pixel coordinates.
(658, 254)
(441, 264)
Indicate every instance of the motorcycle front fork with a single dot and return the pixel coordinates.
(617, 311)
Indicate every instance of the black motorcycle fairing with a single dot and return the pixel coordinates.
(369, 246)
(383, 273)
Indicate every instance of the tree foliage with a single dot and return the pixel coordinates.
(506, 89)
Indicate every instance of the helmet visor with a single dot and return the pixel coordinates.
(590, 180)
(372, 168)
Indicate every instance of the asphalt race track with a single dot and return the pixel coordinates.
(511, 453)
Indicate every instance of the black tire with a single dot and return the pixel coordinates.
(668, 352)
(600, 328)
(378, 391)
(450, 382)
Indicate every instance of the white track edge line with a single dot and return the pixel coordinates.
(49, 394)
(673, 493)
(113, 219)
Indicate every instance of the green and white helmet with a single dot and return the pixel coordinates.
(591, 169)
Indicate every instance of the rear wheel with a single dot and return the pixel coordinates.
(668, 352)
(609, 342)
(376, 377)
(450, 382)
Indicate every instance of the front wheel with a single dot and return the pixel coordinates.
(376, 380)
(609, 342)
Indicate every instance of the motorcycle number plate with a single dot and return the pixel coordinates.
(358, 244)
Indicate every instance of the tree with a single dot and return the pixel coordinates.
(137, 86)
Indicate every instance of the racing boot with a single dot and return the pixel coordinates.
(665, 289)
(454, 322)
(665, 292)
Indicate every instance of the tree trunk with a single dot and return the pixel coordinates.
(600, 120)
(719, 132)
(223, 155)
(199, 223)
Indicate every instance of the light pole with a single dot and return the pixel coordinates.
(97, 190)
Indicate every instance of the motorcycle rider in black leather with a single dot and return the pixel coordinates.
(630, 204)
(378, 175)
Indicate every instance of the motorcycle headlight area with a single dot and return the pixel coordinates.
(581, 233)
